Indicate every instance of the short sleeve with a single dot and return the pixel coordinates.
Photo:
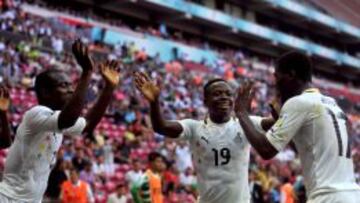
(41, 118)
(256, 120)
(291, 119)
(77, 128)
(188, 126)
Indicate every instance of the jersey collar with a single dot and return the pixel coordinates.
(312, 90)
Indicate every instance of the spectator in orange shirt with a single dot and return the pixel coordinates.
(287, 192)
(76, 190)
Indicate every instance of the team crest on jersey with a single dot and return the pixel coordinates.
(238, 138)
(204, 139)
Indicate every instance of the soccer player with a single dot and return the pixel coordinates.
(317, 126)
(220, 150)
(5, 138)
(38, 138)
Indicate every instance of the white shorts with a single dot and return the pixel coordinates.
(5, 199)
(337, 197)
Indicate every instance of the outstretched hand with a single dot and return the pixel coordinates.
(110, 71)
(82, 56)
(244, 98)
(4, 99)
(147, 87)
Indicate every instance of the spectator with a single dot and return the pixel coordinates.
(87, 174)
(149, 188)
(256, 190)
(99, 166)
(79, 161)
(183, 156)
(56, 179)
(287, 192)
(119, 196)
(134, 175)
(188, 179)
(76, 190)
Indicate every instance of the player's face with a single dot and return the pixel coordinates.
(62, 89)
(220, 99)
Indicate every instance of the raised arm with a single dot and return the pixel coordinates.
(111, 75)
(72, 110)
(256, 138)
(151, 93)
(5, 135)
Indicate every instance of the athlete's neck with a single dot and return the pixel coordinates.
(296, 91)
(219, 119)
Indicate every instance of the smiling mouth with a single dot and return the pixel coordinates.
(225, 105)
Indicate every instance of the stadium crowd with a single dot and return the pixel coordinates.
(117, 156)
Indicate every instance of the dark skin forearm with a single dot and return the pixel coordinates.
(72, 110)
(169, 129)
(256, 139)
(267, 123)
(5, 135)
(95, 114)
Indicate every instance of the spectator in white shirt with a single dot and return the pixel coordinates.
(119, 196)
(133, 175)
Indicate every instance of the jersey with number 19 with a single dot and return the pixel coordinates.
(317, 126)
(220, 154)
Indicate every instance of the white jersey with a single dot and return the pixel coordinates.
(221, 156)
(33, 154)
(317, 126)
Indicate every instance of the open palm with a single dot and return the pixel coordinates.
(147, 87)
(82, 55)
(110, 71)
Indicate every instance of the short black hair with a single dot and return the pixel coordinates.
(209, 83)
(73, 169)
(154, 155)
(43, 80)
(295, 61)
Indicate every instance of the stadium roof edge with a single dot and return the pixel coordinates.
(217, 17)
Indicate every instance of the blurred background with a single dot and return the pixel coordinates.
(180, 44)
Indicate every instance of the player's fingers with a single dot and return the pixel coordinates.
(138, 85)
(101, 67)
(107, 64)
(142, 77)
(111, 64)
(274, 112)
(83, 49)
(117, 68)
(115, 65)
(145, 76)
(138, 81)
